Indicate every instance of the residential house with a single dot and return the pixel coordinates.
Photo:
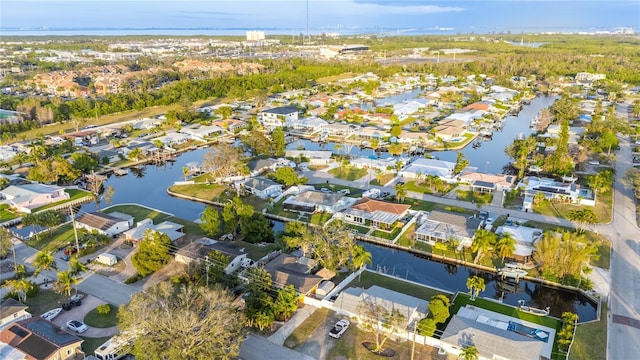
(257, 167)
(172, 230)
(488, 182)
(198, 250)
(525, 238)
(286, 270)
(278, 117)
(319, 111)
(317, 201)
(378, 118)
(11, 311)
(379, 164)
(442, 226)
(555, 190)
(110, 155)
(432, 167)
(375, 213)
(144, 146)
(262, 188)
(338, 130)
(37, 338)
(315, 157)
(413, 309)
(203, 132)
(110, 224)
(146, 124)
(498, 336)
(369, 133)
(308, 125)
(174, 138)
(27, 197)
(231, 125)
(404, 109)
(413, 138)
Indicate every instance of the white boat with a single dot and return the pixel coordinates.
(51, 314)
(532, 310)
(512, 271)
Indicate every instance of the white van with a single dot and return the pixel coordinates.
(107, 259)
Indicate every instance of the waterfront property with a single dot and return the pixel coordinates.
(374, 213)
(262, 188)
(489, 182)
(278, 117)
(429, 167)
(110, 224)
(287, 269)
(525, 238)
(443, 226)
(171, 229)
(318, 201)
(200, 249)
(555, 190)
(27, 197)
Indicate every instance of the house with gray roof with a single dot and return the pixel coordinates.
(108, 224)
(278, 116)
(11, 311)
(412, 308)
(200, 249)
(262, 188)
(286, 269)
(171, 229)
(441, 226)
(317, 201)
(27, 197)
(257, 167)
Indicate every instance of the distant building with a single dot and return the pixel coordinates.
(278, 117)
(255, 35)
(585, 76)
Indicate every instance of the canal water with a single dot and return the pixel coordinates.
(489, 157)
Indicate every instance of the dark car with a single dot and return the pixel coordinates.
(70, 250)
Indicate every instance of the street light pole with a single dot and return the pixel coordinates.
(206, 258)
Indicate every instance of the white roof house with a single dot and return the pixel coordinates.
(202, 132)
(440, 168)
(525, 240)
(171, 229)
(311, 124)
(30, 196)
(174, 138)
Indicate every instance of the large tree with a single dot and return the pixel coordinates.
(278, 143)
(376, 318)
(483, 241)
(224, 160)
(65, 282)
(461, 163)
(505, 246)
(210, 221)
(153, 252)
(183, 322)
(44, 261)
(475, 284)
(287, 176)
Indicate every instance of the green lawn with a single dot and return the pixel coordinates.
(210, 192)
(419, 204)
(349, 173)
(74, 194)
(424, 188)
(385, 179)
(6, 213)
(91, 344)
(302, 332)
(255, 252)
(389, 235)
(590, 341)
(370, 278)
(602, 210)
(93, 318)
(44, 301)
(320, 218)
(360, 229)
(139, 212)
(474, 196)
(278, 209)
(407, 238)
(604, 253)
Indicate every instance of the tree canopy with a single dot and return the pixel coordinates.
(153, 252)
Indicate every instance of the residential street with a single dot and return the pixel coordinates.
(624, 303)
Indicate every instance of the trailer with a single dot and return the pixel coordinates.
(115, 348)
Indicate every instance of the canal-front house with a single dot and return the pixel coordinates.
(172, 230)
(442, 226)
(231, 125)
(200, 249)
(482, 182)
(278, 117)
(525, 238)
(27, 197)
(430, 167)
(262, 188)
(376, 214)
(110, 224)
(316, 201)
(314, 157)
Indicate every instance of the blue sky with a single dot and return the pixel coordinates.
(329, 15)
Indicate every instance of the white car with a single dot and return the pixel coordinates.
(488, 224)
(77, 326)
(339, 328)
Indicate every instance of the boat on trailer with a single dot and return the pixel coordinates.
(532, 310)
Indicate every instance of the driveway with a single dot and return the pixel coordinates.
(259, 348)
(78, 313)
(319, 343)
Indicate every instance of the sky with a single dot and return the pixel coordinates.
(480, 16)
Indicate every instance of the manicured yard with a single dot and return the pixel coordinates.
(302, 332)
(140, 212)
(360, 229)
(590, 341)
(209, 192)
(350, 346)
(6, 213)
(602, 210)
(93, 318)
(370, 278)
(91, 344)
(44, 301)
(320, 218)
(407, 238)
(604, 252)
(74, 194)
(254, 251)
(424, 188)
(474, 196)
(349, 173)
(278, 209)
(389, 235)
(385, 179)
(53, 239)
(419, 204)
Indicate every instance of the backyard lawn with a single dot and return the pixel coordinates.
(474, 196)
(349, 173)
(369, 278)
(602, 210)
(385, 179)
(590, 341)
(203, 191)
(44, 301)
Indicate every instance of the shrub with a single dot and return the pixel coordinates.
(133, 279)
(103, 309)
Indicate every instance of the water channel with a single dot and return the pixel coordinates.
(488, 157)
(149, 188)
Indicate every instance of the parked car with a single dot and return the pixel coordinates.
(384, 194)
(344, 191)
(70, 250)
(488, 223)
(77, 326)
(400, 182)
(325, 190)
(339, 328)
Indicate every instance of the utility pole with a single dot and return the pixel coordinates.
(15, 262)
(75, 231)
(206, 258)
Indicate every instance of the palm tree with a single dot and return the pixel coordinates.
(482, 242)
(469, 353)
(19, 286)
(76, 266)
(65, 282)
(475, 284)
(505, 246)
(44, 261)
(401, 192)
(360, 257)
(583, 217)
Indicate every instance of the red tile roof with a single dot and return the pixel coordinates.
(371, 205)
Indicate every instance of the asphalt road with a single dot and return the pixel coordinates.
(624, 299)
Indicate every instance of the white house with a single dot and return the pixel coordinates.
(108, 224)
(199, 249)
(552, 189)
(525, 238)
(262, 188)
(278, 117)
(309, 124)
(203, 132)
(27, 197)
(316, 157)
(171, 229)
(424, 167)
(12, 311)
(174, 138)
(317, 201)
